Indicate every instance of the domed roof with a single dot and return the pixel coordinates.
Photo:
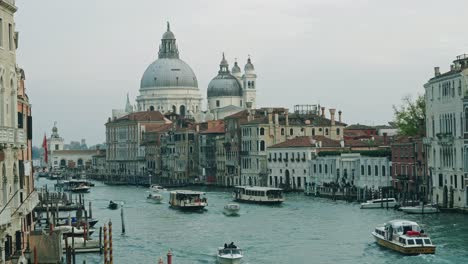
(168, 34)
(236, 68)
(224, 84)
(168, 72)
(249, 68)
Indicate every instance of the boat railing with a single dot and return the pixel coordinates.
(232, 251)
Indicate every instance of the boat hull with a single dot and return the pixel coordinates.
(154, 201)
(231, 212)
(80, 190)
(420, 210)
(188, 207)
(272, 202)
(222, 260)
(378, 205)
(404, 250)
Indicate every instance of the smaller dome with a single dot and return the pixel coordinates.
(168, 34)
(249, 68)
(235, 68)
(54, 129)
(224, 85)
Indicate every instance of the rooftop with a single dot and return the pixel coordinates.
(308, 141)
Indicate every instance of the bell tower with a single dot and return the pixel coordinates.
(249, 83)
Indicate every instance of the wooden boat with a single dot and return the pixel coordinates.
(231, 209)
(113, 205)
(261, 195)
(187, 200)
(405, 237)
(419, 209)
(380, 203)
(229, 255)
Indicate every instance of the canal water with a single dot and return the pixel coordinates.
(301, 230)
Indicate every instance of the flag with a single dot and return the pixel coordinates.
(44, 146)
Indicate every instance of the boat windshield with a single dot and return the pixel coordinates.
(229, 251)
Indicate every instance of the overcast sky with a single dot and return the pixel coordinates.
(360, 56)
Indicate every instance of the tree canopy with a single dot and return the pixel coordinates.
(410, 117)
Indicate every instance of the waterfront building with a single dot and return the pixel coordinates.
(446, 98)
(98, 164)
(81, 159)
(169, 84)
(231, 91)
(289, 161)
(152, 140)
(269, 126)
(207, 150)
(221, 171)
(410, 175)
(361, 173)
(17, 195)
(54, 143)
(125, 154)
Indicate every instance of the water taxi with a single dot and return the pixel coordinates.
(154, 198)
(157, 188)
(254, 194)
(229, 255)
(380, 203)
(231, 209)
(405, 237)
(187, 200)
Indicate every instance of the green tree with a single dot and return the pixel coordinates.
(410, 117)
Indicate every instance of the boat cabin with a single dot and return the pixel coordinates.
(258, 194)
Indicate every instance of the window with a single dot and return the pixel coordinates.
(10, 36)
(383, 170)
(240, 103)
(313, 131)
(282, 131)
(362, 169)
(262, 131)
(368, 170)
(320, 168)
(455, 176)
(1, 32)
(337, 131)
(376, 170)
(217, 103)
(326, 131)
(291, 132)
(441, 180)
(410, 242)
(326, 168)
(315, 168)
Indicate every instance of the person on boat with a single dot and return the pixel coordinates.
(225, 245)
(232, 245)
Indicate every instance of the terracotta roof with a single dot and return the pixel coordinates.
(307, 141)
(143, 116)
(158, 127)
(359, 127)
(218, 129)
(240, 114)
(75, 152)
(374, 141)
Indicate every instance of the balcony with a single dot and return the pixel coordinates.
(9, 4)
(10, 135)
(5, 216)
(445, 138)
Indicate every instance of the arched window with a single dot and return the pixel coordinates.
(362, 169)
(182, 110)
(2, 100)
(337, 131)
(368, 170)
(291, 132)
(174, 108)
(376, 170)
(282, 131)
(383, 170)
(466, 119)
(326, 131)
(262, 145)
(262, 131)
(313, 131)
(151, 108)
(253, 84)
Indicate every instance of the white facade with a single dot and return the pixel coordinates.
(446, 133)
(80, 159)
(351, 169)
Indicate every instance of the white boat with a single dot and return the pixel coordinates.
(380, 203)
(187, 200)
(81, 189)
(157, 188)
(419, 209)
(231, 209)
(71, 230)
(154, 198)
(228, 255)
(405, 237)
(254, 194)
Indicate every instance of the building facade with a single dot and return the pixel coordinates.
(169, 84)
(446, 97)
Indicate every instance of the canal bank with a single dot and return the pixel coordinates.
(301, 230)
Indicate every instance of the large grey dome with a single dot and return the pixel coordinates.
(224, 85)
(168, 72)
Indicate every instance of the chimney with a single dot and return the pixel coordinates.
(270, 116)
(323, 111)
(286, 115)
(332, 116)
(385, 139)
(436, 71)
(339, 116)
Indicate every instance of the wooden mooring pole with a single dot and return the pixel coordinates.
(105, 244)
(111, 258)
(122, 218)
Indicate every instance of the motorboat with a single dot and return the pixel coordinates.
(229, 255)
(380, 203)
(157, 188)
(81, 189)
(405, 237)
(154, 198)
(261, 195)
(113, 205)
(231, 209)
(187, 200)
(69, 230)
(66, 221)
(420, 209)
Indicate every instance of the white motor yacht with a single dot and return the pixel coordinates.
(420, 209)
(380, 203)
(228, 255)
(157, 188)
(231, 209)
(154, 198)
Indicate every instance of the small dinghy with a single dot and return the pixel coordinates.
(231, 209)
(113, 205)
(154, 198)
(229, 254)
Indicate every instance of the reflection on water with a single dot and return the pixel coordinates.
(302, 230)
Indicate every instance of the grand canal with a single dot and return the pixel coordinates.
(302, 230)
